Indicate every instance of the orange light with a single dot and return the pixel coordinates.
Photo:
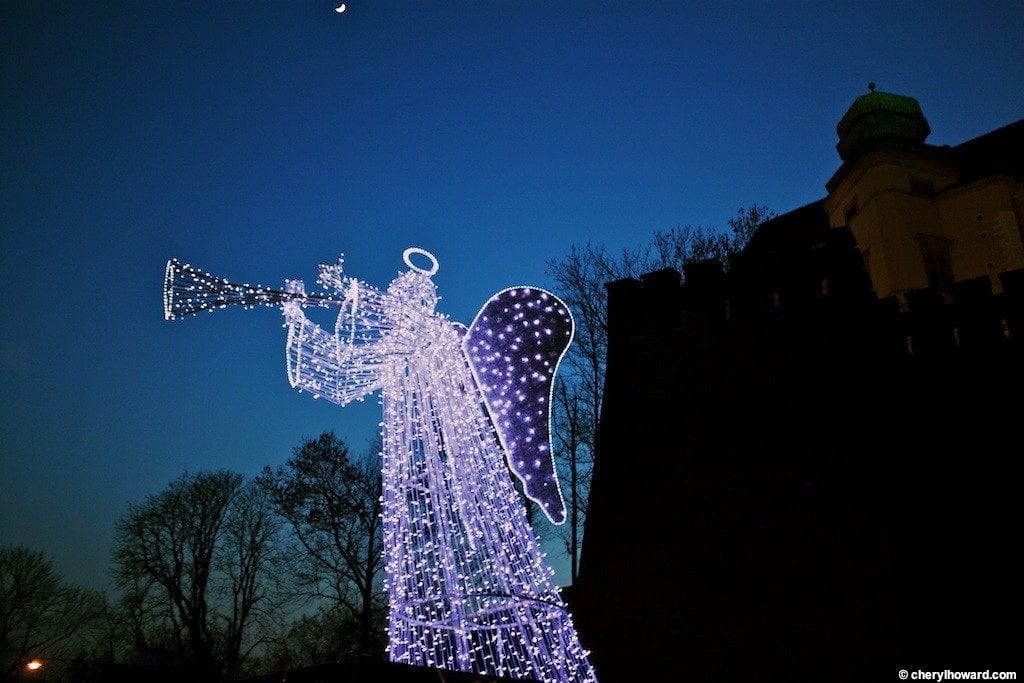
(34, 665)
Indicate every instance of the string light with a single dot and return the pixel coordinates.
(468, 586)
(514, 347)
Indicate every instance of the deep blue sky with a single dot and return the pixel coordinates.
(256, 139)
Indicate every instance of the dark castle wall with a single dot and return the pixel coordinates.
(784, 491)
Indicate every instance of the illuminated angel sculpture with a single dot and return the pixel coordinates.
(468, 586)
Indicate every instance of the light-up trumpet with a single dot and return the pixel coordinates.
(188, 291)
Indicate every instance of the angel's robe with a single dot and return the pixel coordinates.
(468, 586)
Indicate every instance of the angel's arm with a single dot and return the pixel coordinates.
(328, 365)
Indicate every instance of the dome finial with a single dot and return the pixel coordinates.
(880, 119)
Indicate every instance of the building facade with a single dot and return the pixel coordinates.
(923, 215)
(804, 466)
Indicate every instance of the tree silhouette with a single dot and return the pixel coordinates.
(580, 276)
(196, 564)
(40, 616)
(333, 505)
(329, 634)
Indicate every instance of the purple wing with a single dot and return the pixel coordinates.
(514, 346)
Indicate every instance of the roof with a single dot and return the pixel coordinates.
(880, 118)
(807, 225)
(1000, 152)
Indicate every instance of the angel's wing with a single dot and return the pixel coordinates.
(514, 346)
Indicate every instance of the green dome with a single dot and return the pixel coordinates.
(880, 119)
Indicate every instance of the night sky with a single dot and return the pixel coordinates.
(256, 139)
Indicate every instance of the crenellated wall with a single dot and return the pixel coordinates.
(798, 481)
(711, 307)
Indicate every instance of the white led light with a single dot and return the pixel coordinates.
(468, 588)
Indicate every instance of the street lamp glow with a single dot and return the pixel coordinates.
(34, 665)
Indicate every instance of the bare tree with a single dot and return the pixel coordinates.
(40, 615)
(250, 566)
(194, 562)
(676, 247)
(580, 386)
(327, 635)
(580, 277)
(572, 432)
(333, 505)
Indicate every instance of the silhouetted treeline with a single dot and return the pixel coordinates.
(219, 577)
(40, 615)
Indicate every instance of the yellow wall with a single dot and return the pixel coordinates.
(983, 219)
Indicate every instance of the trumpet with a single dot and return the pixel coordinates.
(189, 291)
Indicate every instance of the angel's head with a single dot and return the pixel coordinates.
(414, 288)
(415, 285)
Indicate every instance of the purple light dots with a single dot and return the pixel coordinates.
(515, 369)
(468, 586)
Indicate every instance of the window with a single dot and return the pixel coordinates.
(938, 264)
(922, 186)
(852, 210)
